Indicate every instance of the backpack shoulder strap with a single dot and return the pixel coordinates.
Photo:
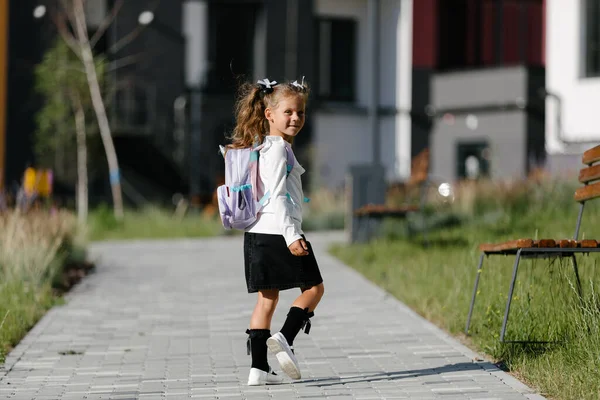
(290, 160)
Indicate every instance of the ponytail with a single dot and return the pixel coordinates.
(250, 122)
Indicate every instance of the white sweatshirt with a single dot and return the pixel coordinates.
(281, 215)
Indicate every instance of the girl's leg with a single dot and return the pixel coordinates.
(264, 309)
(260, 325)
(299, 315)
(310, 297)
(301, 310)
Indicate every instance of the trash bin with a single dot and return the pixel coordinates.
(365, 185)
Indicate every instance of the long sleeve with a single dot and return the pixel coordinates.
(274, 166)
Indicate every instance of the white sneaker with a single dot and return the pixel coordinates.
(259, 377)
(280, 347)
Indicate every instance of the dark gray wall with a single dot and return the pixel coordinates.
(536, 123)
(28, 40)
(159, 60)
(503, 131)
(479, 88)
(510, 118)
(421, 123)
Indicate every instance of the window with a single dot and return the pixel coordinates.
(337, 59)
(592, 38)
(473, 160)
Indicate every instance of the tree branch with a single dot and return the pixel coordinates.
(68, 11)
(106, 22)
(59, 20)
(125, 61)
(79, 22)
(125, 40)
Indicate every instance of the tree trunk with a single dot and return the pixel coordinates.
(82, 173)
(98, 103)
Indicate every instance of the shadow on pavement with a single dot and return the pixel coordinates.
(389, 376)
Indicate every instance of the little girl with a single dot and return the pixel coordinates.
(277, 255)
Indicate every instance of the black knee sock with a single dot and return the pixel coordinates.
(257, 346)
(297, 319)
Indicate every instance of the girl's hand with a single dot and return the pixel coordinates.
(299, 248)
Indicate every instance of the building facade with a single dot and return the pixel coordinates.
(573, 81)
(466, 79)
(479, 74)
(145, 77)
(343, 130)
(330, 42)
(23, 40)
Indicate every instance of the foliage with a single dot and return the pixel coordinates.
(58, 77)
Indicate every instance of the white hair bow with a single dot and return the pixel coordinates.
(300, 86)
(266, 83)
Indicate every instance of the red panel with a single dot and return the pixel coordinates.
(471, 31)
(535, 35)
(543, 57)
(511, 33)
(425, 33)
(487, 39)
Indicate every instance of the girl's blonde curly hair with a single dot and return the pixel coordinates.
(251, 125)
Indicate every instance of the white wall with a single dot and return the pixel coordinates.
(343, 138)
(565, 63)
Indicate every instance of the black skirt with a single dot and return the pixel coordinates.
(269, 264)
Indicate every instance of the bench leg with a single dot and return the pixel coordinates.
(474, 292)
(510, 294)
(579, 288)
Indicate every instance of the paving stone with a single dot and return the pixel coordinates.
(167, 319)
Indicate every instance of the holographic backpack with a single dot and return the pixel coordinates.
(239, 198)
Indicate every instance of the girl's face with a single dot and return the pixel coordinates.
(287, 118)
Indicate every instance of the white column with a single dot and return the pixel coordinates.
(260, 45)
(404, 87)
(95, 12)
(195, 29)
(373, 11)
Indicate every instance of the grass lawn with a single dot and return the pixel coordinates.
(35, 250)
(151, 223)
(437, 282)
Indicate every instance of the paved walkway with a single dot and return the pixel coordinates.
(166, 319)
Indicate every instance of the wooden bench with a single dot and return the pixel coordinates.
(370, 214)
(546, 248)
